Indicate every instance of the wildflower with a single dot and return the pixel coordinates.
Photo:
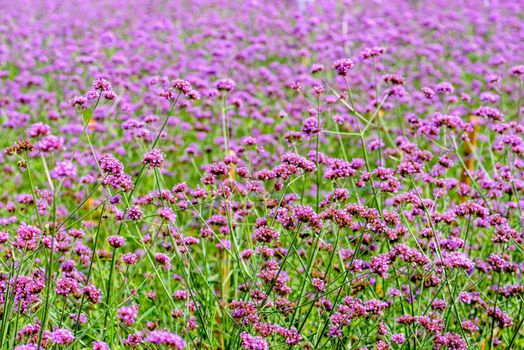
(218, 169)
(444, 88)
(154, 158)
(81, 319)
(116, 241)
(167, 339)
(317, 68)
(66, 286)
(134, 213)
(129, 258)
(167, 214)
(62, 336)
(489, 113)
(111, 165)
(226, 85)
(78, 101)
(428, 92)
(368, 53)
(38, 130)
(101, 85)
(298, 161)
(20, 147)
(318, 89)
(181, 294)
(398, 338)
(469, 326)
(253, 342)
(343, 66)
(64, 169)
(100, 345)
(395, 79)
(457, 260)
(310, 126)
(517, 70)
(27, 237)
(318, 284)
(266, 234)
(246, 254)
(50, 144)
(163, 259)
(94, 294)
(109, 95)
(26, 347)
(380, 265)
(127, 315)
(134, 339)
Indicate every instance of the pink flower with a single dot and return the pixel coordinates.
(167, 339)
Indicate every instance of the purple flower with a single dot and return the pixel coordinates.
(444, 88)
(116, 241)
(319, 284)
(101, 85)
(38, 130)
(134, 213)
(266, 234)
(154, 158)
(167, 214)
(226, 85)
(64, 169)
(517, 70)
(398, 338)
(67, 286)
(127, 315)
(111, 165)
(343, 66)
(253, 342)
(168, 339)
(317, 68)
(164, 260)
(130, 258)
(310, 126)
(62, 336)
(368, 53)
(100, 345)
(489, 113)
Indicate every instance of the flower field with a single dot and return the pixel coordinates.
(220, 174)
